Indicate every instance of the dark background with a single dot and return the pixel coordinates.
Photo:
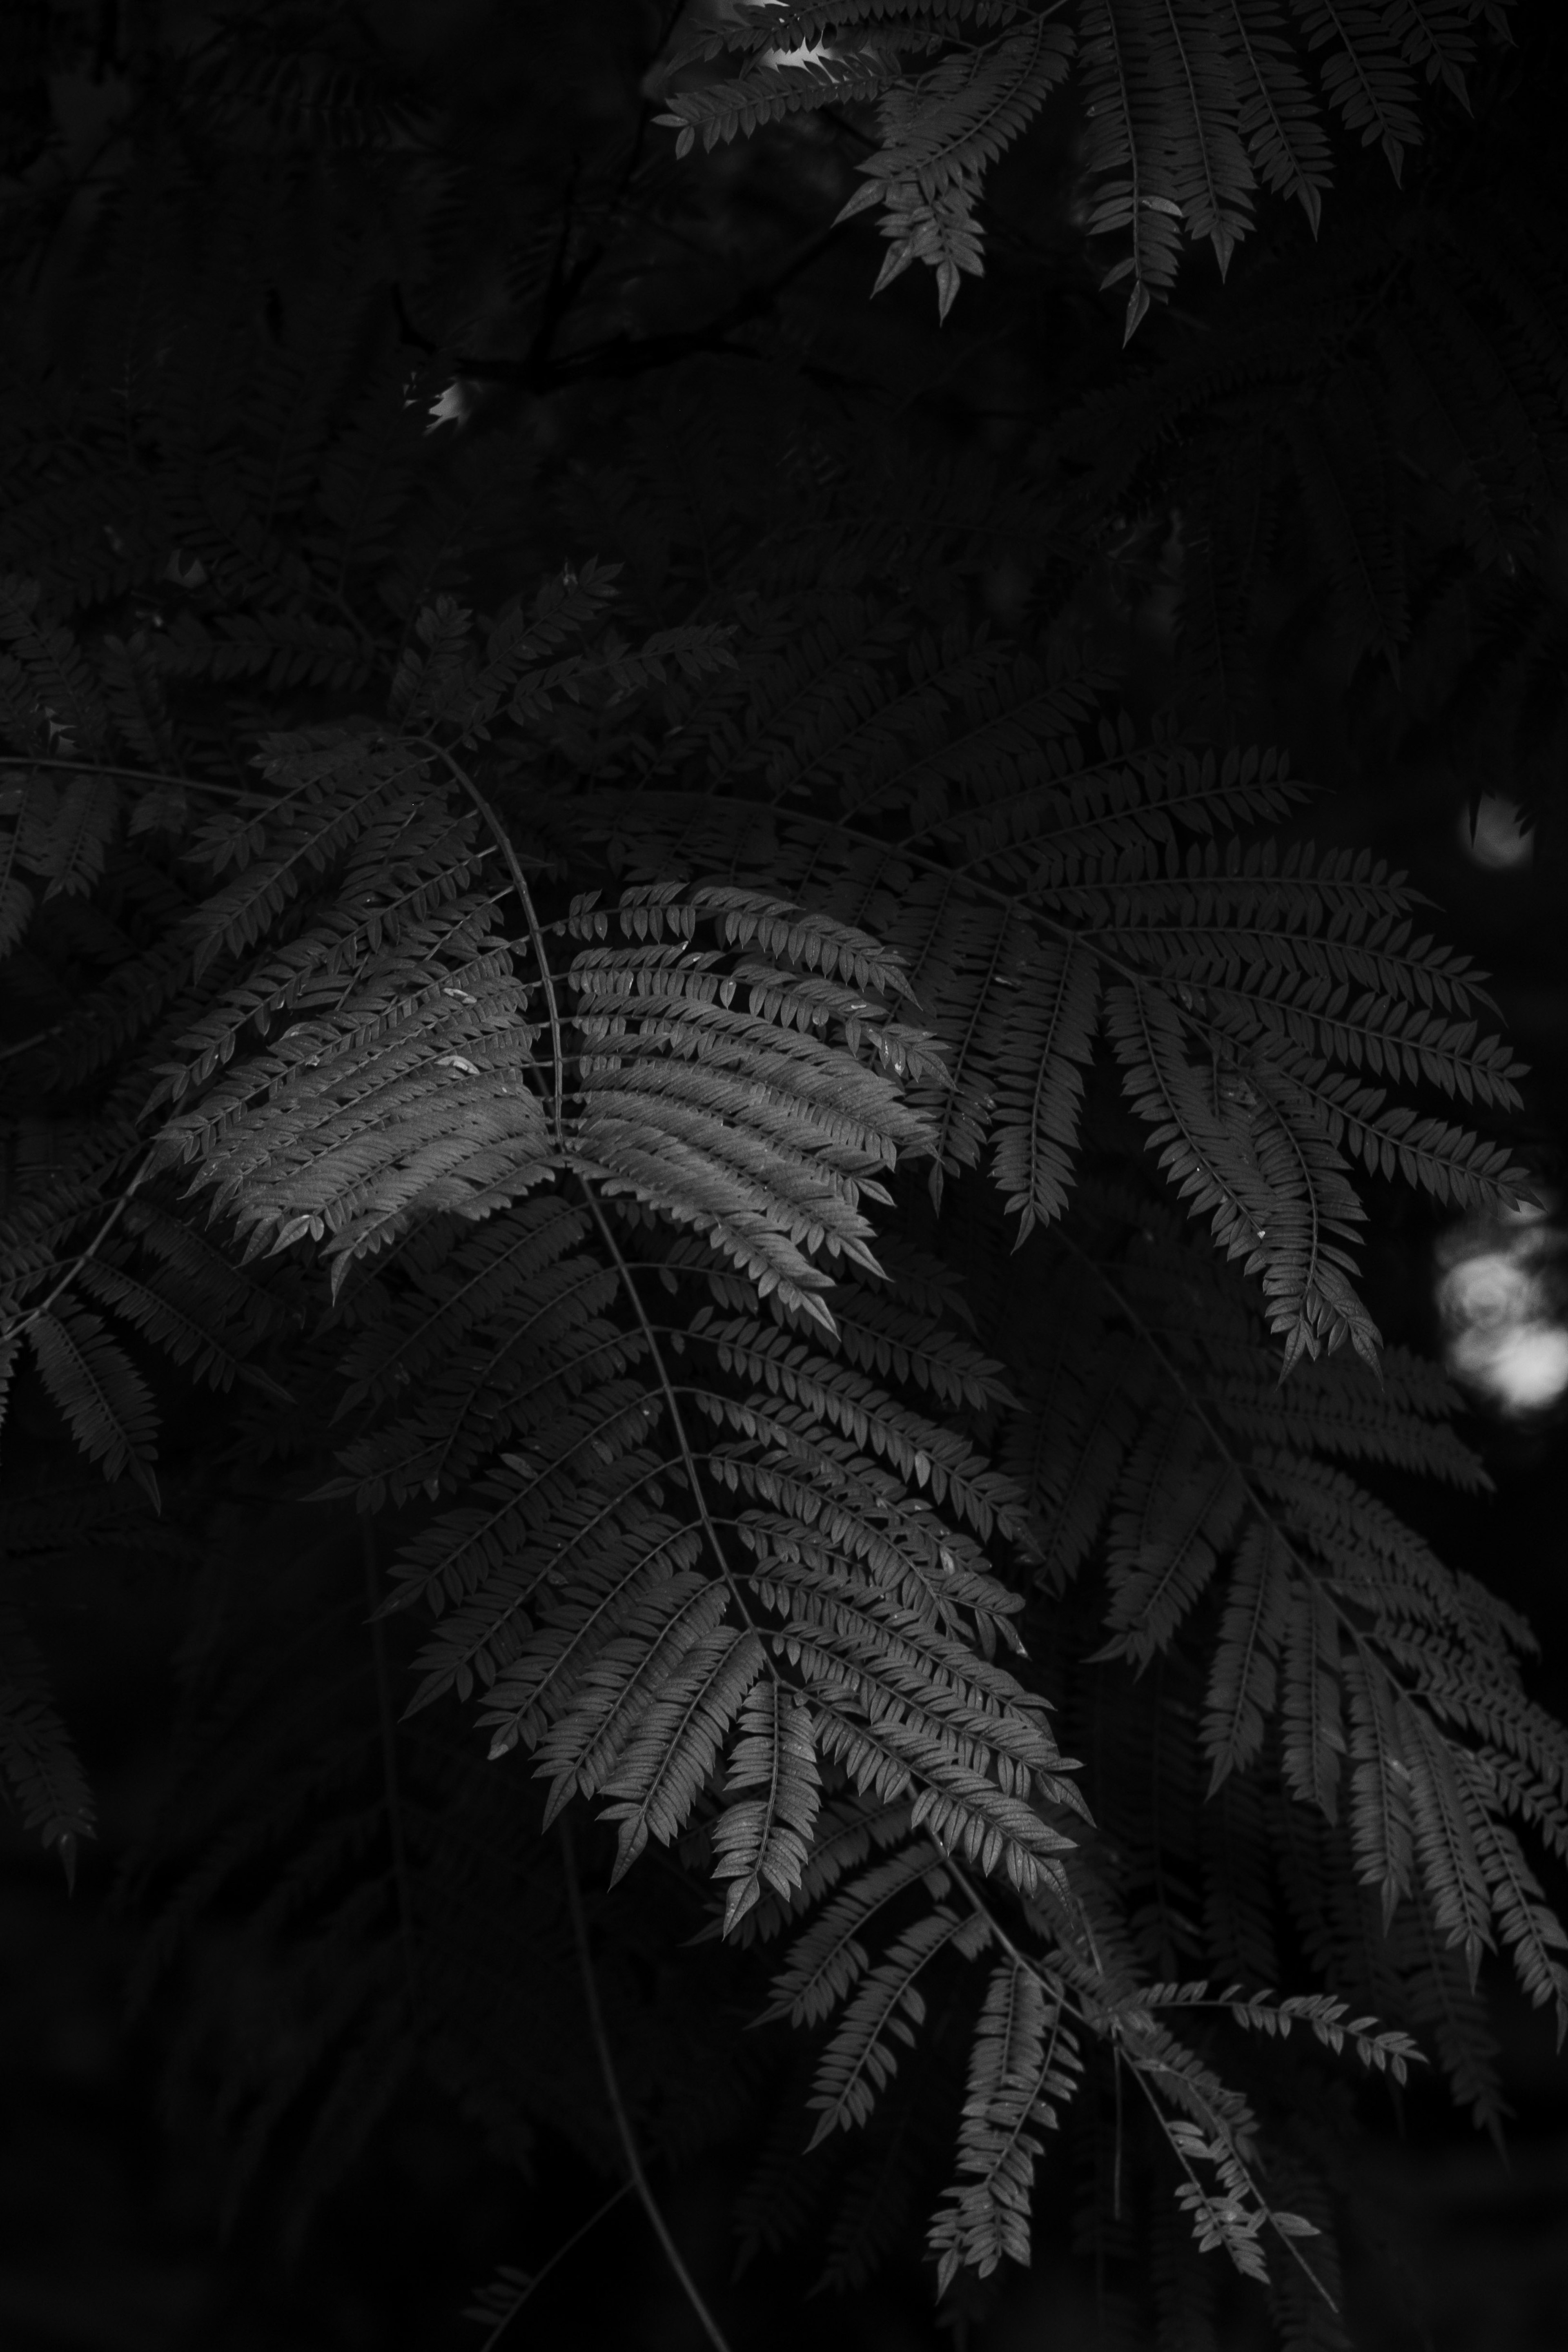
(113, 2228)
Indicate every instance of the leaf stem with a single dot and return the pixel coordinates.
(36, 1313)
(94, 767)
(502, 840)
(595, 1207)
(1359, 1639)
(617, 2105)
(390, 1778)
(1111, 2021)
(537, 2281)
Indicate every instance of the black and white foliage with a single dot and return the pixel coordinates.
(1193, 108)
(785, 1172)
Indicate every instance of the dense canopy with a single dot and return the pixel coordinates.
(729, 1082)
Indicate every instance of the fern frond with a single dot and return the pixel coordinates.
(1385, 2050)
(561, 1100)
(1443, 2001)
(673, 1746)
(1127, 107)
(605, 1705)
(67, 696)
(1023, 2069)
(19, 851)
(181, 1324)
(1067, 1446)
(1210, 1151)
(134, 689)
(829, 1955)
(85, 819)
(338, 781)
(1313, 1742)
(886, 2008)
(1382, 1829)
(939, 135)
(60, 835)
(376, 1117)
(847, 1834)
(1528, 1924)
(1178, 1510)
(1364, 72)
(1243, 1679)
(1445, 1849)
(43, 1777)
(766, 1840)
(1401, 1420)
(1275, 115)
(1038, 1071)
(923, 1455)
(286, 649)
(908, 1342)
(99, 1391)
(719, 111)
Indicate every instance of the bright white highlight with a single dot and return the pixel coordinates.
(452, 408)
(1532, 1368)
(1500, 842)
(805, 53)
(1499, 1297)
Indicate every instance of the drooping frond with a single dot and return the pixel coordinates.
(766, 1840)
(506, 1125)
(99, 1390)
(1187, 105)
(939, 135)
(1024, 2065)
(1045, 886)
(886, 2009)
(44, 1778)
(654, 1122)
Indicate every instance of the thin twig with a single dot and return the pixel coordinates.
(596, 1210)
(1110, 2022)
(36, 1313)
(537, 2281)
(618, 2104)
(525, 900)
(687, 1452)
(94, 767)
(390, 1781)
(1311, 1576)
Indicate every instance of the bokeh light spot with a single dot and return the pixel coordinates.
(1502, 1295)
(452, 407)
(1497, 839)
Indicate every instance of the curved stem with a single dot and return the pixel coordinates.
(36, 1313)
(537, 2281)
(677, 1425)
(618, 2104)
(94, 767)
(393, 1796)
(536, 935)
(1088, 939)
(502, 840)
(1206, 1420)
(1110, 2023)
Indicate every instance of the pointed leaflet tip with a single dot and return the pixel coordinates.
(868, 194)
(809, 1302)
(895, 262)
